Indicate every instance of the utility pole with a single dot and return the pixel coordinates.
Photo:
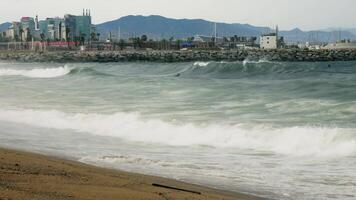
(119, 34)
(32, 47)
(215, 34)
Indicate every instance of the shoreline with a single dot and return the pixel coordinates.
(280, 55)
(25, 175)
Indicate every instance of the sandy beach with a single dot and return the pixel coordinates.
(31, 176)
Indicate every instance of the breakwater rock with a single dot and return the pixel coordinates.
(180, 56)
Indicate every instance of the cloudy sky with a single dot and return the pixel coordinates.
(306, 14)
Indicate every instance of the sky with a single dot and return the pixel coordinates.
(288, 14)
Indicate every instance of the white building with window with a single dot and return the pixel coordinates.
(269, 41)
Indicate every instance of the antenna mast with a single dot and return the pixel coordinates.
(215, 33)
(119, 33)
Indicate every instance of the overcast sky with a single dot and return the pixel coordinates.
(305, 14)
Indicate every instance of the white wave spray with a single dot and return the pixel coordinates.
(201, 64)
(247, 61)
(37, 72)
(298, 141)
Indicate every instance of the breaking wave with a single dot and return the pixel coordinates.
(296, 141)
(247, 61)
(201, 64)
(248, 68)
(212, 69)
(37, 73)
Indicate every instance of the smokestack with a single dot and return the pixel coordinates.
(36, 23)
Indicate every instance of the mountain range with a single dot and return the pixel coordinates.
(161, 27)
(157, 27)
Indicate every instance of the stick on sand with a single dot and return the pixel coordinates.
(174, 188)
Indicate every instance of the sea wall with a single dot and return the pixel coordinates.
(179, 56)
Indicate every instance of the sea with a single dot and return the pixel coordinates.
(278, 130)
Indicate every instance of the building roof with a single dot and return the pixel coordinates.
(269, 34)
(203, 38)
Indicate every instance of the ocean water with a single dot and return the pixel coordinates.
(278, 130)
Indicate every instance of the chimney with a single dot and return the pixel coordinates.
(36, 23)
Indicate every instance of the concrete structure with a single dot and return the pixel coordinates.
(242, 42)
(269, 41)
(83, 26)
(291, 55)
(27, 28)
(206, 39)
(53, 29)
(78, 26)
(69, 28)
(43, 26)
(202, 41)
(70, 21)
(13, 33)
(37, 25)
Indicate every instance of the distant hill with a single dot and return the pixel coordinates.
(316, 36)
(4, 26)
(160, 27)
(352, 30)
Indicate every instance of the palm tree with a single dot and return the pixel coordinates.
(82, 38)
(67, 33)
(144, 38)
(29, 36)
(42, 35)
(21, 34)
(121, 44)
(93, 36)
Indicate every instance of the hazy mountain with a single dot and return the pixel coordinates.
(316, 36)
(161, 27)
(4, 26)
(351, 30)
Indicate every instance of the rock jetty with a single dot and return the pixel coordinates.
(290, 55)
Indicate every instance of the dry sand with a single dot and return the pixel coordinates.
(30, 176)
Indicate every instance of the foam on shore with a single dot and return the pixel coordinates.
(295, 141)
(36, 73)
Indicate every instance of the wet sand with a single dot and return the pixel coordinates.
(31, 176)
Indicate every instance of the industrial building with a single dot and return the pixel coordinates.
(271, 40)
(69, 28)
(79, 26)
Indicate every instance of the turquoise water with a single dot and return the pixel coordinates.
(276, 130)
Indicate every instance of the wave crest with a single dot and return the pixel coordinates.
(201, 64)
(298, 141)
(37, 72)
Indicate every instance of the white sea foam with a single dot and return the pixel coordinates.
(201, 64)
(37, 72)
(247, 61)
(297, 141)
